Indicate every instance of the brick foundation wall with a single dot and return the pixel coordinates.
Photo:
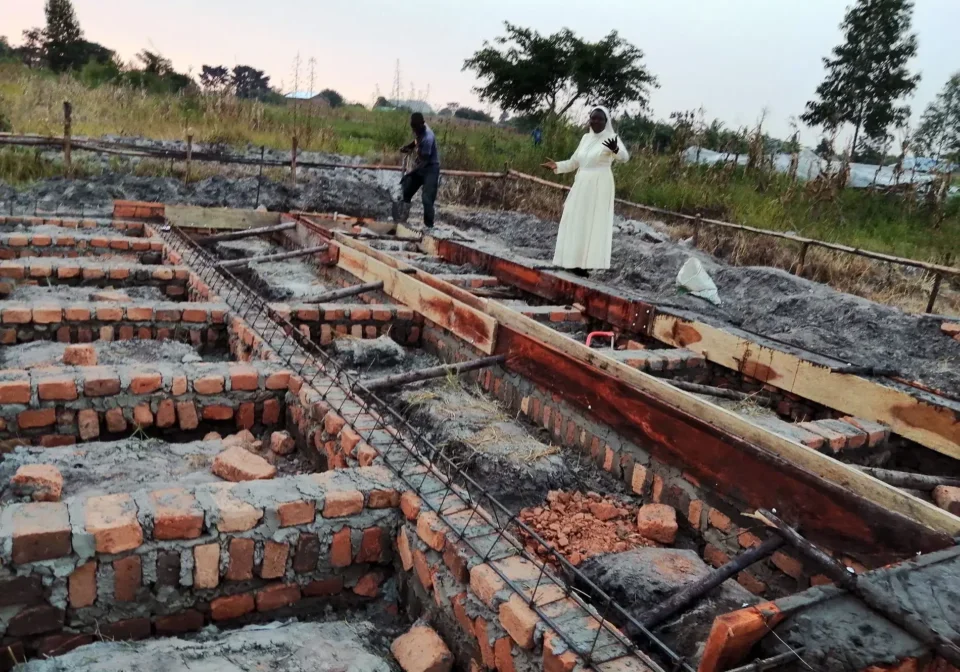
(172, 280)
(326, 321)
(128, 228)
(59, 406)
(717, 522)
(18, 245)
(203, 324)
(128, 566)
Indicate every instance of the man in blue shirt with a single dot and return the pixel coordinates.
(426, 168)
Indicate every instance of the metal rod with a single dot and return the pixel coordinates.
(234, 263)
(260, 176)
(736, 395)
(189, 155)
(904, 479)
(348, 291)
(246, 233)
(857, 585)
(694, 592)
(770, 663)
(432, 372)
(293, 162)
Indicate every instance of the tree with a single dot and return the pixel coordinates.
(867, 75)
(249, 82)
(154, 63)
(333, 97)
(63, 37)
(939, 134)
(214, 77)
(825, 149)
(472, 115)
(32, 52)
(528, 72)
(382, 103)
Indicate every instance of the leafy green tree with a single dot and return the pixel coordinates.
(32, 52)
(526, 72)
(939, 134)
(333, 97)
(825, 149)
(214, 77)
(472, 115)
(154, 63)
(249, 82)
(63, 37)
(867, 75)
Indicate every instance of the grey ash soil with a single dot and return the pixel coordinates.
(761, 300)
(65, 293)
(50, 353)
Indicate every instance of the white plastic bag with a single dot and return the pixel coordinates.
(693, 278)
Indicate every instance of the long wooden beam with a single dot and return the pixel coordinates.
(929, 420)
(194, 217)
(280, 256)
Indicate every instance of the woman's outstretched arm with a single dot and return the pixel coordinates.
(623, 155)
(571, 164)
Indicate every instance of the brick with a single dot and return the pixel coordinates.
(109, 313)
(127, 577)
(371, 545)
(282, 443)
(519, 621)
(217, 412)
(341, 548)
(142, 416)
(349, 439)
(410, 504)
(88, 424)
(324, 587)
(168, 568)
(78, 314)
(271, 412)
(876, 433)
(176, 515)
(296, 513)
(234, 515)
(715, 556)
(206, 566)
(83, 585)
(35, 621)
(112, 520)
(658, 522)
(208, 385)
(751, 583)
(719, 520)
(232, 606)
(35, 418)
(485, 584)
(947, 497)
(244, 378)
(42, 482)
(403, 549)
(340, 503)
(59, 388)
(422, 650)
(277, 596)
(787, 564)
(116, 423)
(333, 423)
(47, 314)
(503, 655)
(307, 554)
(694, 513)
(41, 531)
(368, 585)
(236, 464)
(240, 567)
(748, 539)
(431, 530)
(187, 415)
(189, 620)
(383, 499)
(638, 481)
(19, 315)
(481, 629)
(278, 380)
(101, 383)
(274, 560)
(557, 656)
(145, 382)
(22, 590)
(15, 392)
(57, 645)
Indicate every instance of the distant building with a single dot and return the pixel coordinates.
(420, 106)
(317, 100)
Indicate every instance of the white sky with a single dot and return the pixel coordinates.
(732, 57)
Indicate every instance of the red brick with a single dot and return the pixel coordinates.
(371, 545)
(15, 392)
(34, 418)
(369, 584)
(187, 415)
(751, 583)
(194, 315)
(217, 412)
(115, 421)
(410, 505)
(57, 645)
(232, 606)
(341, 550)
(481, 629)
(176, 515)
(47, 314)
(41, 531)
(142, 416)
(274, 560)
(719, 520)
(234, 515)
(282, 443)
(182, 622)
(88, 423)
(112, 520)
(17, 315)
(278, 380)
(236, 464)
(277, 596)
(35, 621)
(341, 503)
(206, 566)
(519, 621)
(557, 656)
(244, 378)
(333, 423)
(127, 577)
(145, 382)
(166, 413)
(715, 556)
(403, 549)
(271, 412)
(787, 564)
(324, 587)
(101, 383)
(109, 313)
(422, 650)
(83, 585)
(241, 559)
(208, 385)
(307, 554)
(431, 530)
(383, 499)
(657, 522)
(296, 513)
(43, 482)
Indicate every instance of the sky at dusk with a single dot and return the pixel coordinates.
(734, 58)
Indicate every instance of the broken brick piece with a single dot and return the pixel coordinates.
(282, 443)
(422, 650)
(42, 482)
(658, 522)
(236, 464)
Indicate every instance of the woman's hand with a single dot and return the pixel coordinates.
(612, 145)
(549, 164)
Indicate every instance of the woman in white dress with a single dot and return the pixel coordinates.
(586, 228)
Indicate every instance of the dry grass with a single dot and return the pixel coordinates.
(523, 448)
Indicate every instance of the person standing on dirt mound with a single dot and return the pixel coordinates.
(586, 228)
(426, 168)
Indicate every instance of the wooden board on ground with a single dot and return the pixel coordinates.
(816, 463)
(193, 217)
(475, 327)
(929, 424)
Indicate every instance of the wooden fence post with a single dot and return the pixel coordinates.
(67, 133)
(189, 154)
(293, 162)
(935, 290)
(801, 259)
(503, 185)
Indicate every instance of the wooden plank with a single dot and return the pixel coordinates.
(470, 324)
(907, 413)
(193, 217)
(816, 463)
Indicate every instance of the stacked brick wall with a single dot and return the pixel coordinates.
(172, 280)
(68, 245)
(326, 321)
(127, 228)
(203, 324)
(132, 565)
(52, 406)
(718, 523)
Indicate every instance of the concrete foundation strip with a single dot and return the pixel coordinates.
(398, 379)
(273, 257)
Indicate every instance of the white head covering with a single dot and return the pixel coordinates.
(608, 131)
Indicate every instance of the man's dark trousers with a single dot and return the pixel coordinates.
(427, 177)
